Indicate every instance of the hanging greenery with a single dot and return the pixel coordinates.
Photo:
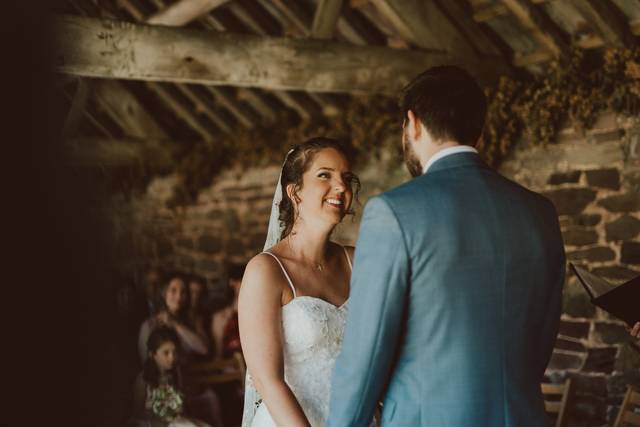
(575, 88)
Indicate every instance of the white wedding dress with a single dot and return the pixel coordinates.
(312, 329)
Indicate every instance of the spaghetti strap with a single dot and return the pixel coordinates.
(285, 272)
(348, 259)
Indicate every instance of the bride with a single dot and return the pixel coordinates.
(293, 298)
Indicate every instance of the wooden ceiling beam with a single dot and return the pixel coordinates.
(542, 28)
(325, 19)
(293, 101)
(184, 11)
(245, 117)
(173, 18)
(104, 48)
(608, 21)
(113, 99)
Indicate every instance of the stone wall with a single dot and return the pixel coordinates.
(593, 179)
(229, 221)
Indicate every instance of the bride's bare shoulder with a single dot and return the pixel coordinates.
(263, 270)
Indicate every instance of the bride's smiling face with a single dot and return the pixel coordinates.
(326, 193)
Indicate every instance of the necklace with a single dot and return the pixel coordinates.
(320, 267)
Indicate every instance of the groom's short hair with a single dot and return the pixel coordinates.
(448, 102)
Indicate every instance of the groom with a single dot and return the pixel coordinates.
(456, 288)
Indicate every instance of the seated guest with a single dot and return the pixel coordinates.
(174, 298)
(226, 337)
(198, 313)
(150, 285)
(158, 390)
(224, 324)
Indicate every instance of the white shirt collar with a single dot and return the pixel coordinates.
(447, 152)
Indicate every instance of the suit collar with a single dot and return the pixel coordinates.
(455, 160)
(447, 152)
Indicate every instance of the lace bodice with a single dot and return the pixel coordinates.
(312, 333)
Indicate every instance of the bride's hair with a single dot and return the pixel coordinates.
(296, 164)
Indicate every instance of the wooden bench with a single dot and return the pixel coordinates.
(218, 371)
(556, 400)
(629, 414)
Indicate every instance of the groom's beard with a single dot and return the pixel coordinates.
(410, 158)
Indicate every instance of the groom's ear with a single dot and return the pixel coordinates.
(415, 124)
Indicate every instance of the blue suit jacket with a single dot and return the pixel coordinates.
(455, 303)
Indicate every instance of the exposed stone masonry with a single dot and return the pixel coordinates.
(594, 181)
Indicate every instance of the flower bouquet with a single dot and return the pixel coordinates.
(166, 402)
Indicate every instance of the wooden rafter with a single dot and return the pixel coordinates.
(495, 10)
(90, 117)
(355, 28)
(293, 101)
(296, 14)
(222, 96)
(77, 109)
(157, 153)
(125, 109)
(542, 28)
(202, 106)
(262, 106)
(485, 40)
(252, 16)
(104, 48)
(184, 11)
(181, 110)
(325, 19)
(289, 29)
(607, 20)
(407, 19)
(303, 20)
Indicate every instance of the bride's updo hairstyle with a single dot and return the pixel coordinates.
(296, 164)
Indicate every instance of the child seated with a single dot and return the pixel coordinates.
(158, 393)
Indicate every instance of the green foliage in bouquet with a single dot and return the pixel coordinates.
(166, 402)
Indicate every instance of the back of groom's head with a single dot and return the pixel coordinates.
(448, 102)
